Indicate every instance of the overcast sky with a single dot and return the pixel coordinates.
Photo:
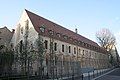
(88, 16)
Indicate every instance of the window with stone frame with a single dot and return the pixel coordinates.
(42, 28)
(51, 32)
(83, 52)
(69, 49)
(74, 50)
(55, 46)
(79, 51)
(46, 44)
(65, 37)
(80, 42)
(62, 48)
(75, 41)
(58, 34)
(21, 30)
(21, 46)
(70, 39)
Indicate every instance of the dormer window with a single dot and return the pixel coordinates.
(80, 42)
(84, 44)
(58, 34)
(70, 39)
(75, 41)
(51, 32)
(42, 28)
(65, 37)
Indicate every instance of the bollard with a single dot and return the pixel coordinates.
(93, 75)
(88, 76)
(82, 76)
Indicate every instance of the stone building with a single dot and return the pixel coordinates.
(5, 36)
(68, 46)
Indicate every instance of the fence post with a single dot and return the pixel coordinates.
(82, 76)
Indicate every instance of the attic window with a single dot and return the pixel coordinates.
(51, 32)
(75, 41)
(21, 30)
(58, 34)
(42, 28)
(80, 42)
(65, 37)
(70, 39)
(84, 44)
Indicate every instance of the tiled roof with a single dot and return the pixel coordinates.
(37, 21)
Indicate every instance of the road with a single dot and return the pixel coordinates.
(114, 75)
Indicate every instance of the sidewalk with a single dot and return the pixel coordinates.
(105, 74)
(87, 76)
(96, 73)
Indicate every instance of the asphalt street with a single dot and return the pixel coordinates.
(114, 75)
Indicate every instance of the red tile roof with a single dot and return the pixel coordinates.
(37, 21)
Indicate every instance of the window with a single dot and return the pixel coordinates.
(51, 32)
(46, 44)
(26, 25)
(58, 34)
(42, 28)
(69, 49)
(46, 61)
(75, 41)
(74, 50)
(0, 38)
(79, 51)
(21, 46)
(80, 42)
(21, 30)
(84, 44)
(62, 48)
(55, 46)
(83, 52)
(70, 39)
(0, 32)
(65, 37)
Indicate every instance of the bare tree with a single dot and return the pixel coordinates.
(106, 39)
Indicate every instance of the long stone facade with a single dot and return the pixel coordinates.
(70, 49)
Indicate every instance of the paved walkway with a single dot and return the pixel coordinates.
(112, 75)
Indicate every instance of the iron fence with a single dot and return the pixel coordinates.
(63, 70)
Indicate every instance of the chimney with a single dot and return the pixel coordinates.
(76, 31)
(13, 30)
